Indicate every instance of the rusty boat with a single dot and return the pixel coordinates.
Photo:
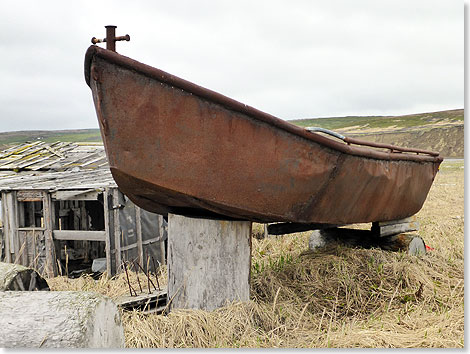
(176, 147)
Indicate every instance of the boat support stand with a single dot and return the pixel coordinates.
(396, 235)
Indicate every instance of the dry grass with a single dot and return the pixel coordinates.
(336, 297)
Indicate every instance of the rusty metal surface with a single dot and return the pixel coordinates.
(392, 148)
(111, 38)
(176, 147)
(349, 141)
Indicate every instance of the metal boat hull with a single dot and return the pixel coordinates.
(176, 147)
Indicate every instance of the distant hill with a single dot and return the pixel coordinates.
(438, 131)
(441, 131)
(362, 124)
(49, 136)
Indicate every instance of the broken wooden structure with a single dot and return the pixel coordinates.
(61, 209)
(155, 302)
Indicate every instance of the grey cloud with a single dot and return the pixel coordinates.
(291, 59)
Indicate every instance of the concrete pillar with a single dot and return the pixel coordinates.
(208, 262)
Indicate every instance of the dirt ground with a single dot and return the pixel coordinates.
(336, 297)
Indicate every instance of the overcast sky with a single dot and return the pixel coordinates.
(292, 58)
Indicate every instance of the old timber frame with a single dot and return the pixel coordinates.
(62, 218)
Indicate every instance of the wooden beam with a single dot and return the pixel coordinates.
(31, 229)
(138, 224)
(90, 194)
(129, 247)
(79, 235)
(23, 240)
(152, 240)
(395, 227)
(6, 228)
(76, 214)
(34, 247)
(117, 229)
(143, 302)
(107, 232)
(29, 196)
(162, 252)
(161, 232)
(84, 227)
(51, 266)
(11, 206)
(55, 209)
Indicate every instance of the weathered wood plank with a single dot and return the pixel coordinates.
(51, 266)
(11, 207)
(400, 221)
(117, 230)
(161, 233)
(138, 224)
(55, 211)
(31, 229)
(29, 196)
(6, 228)
(144, 302)
(84, 226)
(129, 247)
(23, 253)
(395, 227)
(107, 232)
(89, 194)
(79, 235)
(34, 249)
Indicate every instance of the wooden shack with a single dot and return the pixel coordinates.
(61, 210)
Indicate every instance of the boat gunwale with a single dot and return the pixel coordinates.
(252, 112)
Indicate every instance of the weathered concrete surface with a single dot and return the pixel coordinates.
(59, 319)
(208, 262)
